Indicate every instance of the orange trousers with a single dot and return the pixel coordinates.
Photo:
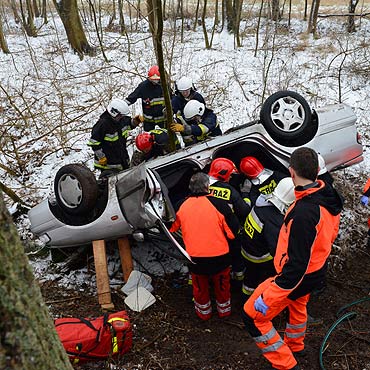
(276, 350)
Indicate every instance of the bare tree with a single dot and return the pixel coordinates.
(312, 22)
(29, 340)
(3, 43)
(156, 17)
(351, 27)
(68, 11)
(28, 18)
(275, 10)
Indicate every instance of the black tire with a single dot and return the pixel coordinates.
(76, 189)
(287, 117)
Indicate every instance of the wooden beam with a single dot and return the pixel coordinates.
(102, 277)
(126, 257)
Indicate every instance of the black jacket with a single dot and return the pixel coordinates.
(108, 138)
(151, 95)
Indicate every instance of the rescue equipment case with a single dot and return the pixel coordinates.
(86, 339)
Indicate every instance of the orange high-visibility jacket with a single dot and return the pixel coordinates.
(305, 240)
(206, 223)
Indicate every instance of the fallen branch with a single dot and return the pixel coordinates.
(343, 15)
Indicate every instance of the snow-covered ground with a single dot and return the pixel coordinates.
(50, 98)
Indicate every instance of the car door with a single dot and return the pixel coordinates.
(143, 198)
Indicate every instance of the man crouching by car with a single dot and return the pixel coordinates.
(207, 223)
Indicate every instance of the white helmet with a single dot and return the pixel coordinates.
(283, 195)
(118, 106)
(322, 165)
(184, 83)
(193, 108)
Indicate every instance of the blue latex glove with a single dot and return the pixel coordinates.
(364, 200)
(260, 305)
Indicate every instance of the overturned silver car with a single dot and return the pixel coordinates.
(84, 209)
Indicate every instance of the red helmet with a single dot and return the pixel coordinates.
(153, 73)
(144, 142)
(251, 167)
(222, 168)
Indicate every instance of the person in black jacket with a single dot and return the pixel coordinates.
(151, 94)
(199, 124)
(151, 145)
(184, 92)
(258, 179)
(220, 172)
(108, 137)
(260, 234)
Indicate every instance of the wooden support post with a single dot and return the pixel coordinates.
(102, 277)
(126, 257)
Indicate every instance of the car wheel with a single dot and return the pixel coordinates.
(287, 116)
(76, 189)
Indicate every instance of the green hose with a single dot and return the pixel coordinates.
(352, 304)
(349, 316)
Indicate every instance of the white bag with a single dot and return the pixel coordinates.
(139, 299)
(137, 279)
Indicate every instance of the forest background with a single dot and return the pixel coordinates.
(62, 61)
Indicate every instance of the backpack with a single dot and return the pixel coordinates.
(95, 339)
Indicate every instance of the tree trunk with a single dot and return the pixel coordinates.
(275, 10)
(230, 15)
(204, 27)
(28, 19)
(28, 337)
(68, 12)
(351, 27)
(238, 14)
(36, 8)
(155, 9)
(15, 11)
(312, 23)
(3, 43)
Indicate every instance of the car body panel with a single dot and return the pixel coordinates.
(127, 210)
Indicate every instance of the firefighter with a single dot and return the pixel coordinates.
(151, 145)
(260, 234)
(199, 124)
(259, 180)
(220, 172)
(207, 223)
(310, 227)
(108, 137)
(365, 201)
(184, 92)
(152, 100)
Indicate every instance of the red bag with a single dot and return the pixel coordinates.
(95, 339)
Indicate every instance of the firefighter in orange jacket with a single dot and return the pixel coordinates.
(310, 227)
(365, 202)
(207, 223)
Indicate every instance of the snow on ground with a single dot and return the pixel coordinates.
(62, 96)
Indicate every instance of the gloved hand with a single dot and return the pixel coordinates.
(137, 120)
(246, 186)
(103, 161)
(177, 127)
(260, 305)
(364, 200)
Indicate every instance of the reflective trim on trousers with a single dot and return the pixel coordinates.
(274, 347)
(204, 309)
(264, 338)
(227, 303)
(296, 326)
